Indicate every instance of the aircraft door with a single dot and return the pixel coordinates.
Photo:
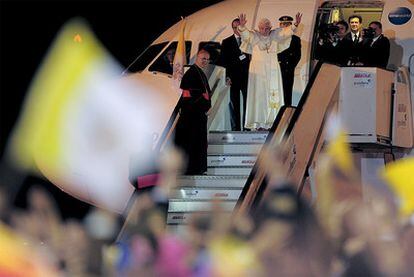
(402, 135)
(325, 31)
(411, 65)
(322, 18)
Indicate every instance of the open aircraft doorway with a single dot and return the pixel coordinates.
(332, 12)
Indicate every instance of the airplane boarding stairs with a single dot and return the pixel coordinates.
(234, 177)
(231, 157)
(239, 182)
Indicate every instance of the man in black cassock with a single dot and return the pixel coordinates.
(191, 130)
(288, 60)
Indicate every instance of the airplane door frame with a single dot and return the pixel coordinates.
(318, 22)
(328, 7)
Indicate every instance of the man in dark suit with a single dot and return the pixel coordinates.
(377, 49)
(288, 60)
(237, 72)
(353, 43)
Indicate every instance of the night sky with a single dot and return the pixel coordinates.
(27, 28)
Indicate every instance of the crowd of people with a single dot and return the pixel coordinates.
(338, 235)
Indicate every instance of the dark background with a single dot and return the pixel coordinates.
(27, 28)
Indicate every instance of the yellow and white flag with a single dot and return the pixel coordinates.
(400, 177)
(20, 257)
(81, 122)
(180, 56)
(338, 148)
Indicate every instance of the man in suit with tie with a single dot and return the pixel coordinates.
(353, 42)
(377, 48)
(237, 71)
(288, 60)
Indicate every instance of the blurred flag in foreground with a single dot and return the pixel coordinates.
(180, 56)
(400, 177)
(20, 258)
(333, 166)
(81, 122)
(338, 148)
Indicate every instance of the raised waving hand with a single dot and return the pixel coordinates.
(298, 18)
(242, 19)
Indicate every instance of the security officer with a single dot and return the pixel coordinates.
(288, 60)
(237, 73)
(377, 48)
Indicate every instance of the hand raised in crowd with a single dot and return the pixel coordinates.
(298, 19)
(242, 19)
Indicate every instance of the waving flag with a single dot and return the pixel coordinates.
(82, 123)
(19, 258)
(180, 56)
(400, 177)
(338, 148)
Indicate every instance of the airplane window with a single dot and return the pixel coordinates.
(147, 56)
(164, 63)
(213, 48)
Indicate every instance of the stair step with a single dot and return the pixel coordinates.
(234, 148)
(231, 160)
(199, 193)
(179, 205)
(229, 170)
(228, 181)
(231, 157)
(179, 230)
(237, 137)
(184, 218)
(178, 218)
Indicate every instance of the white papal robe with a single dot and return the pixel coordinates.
(265, 87)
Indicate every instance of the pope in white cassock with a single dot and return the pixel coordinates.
(265, 87)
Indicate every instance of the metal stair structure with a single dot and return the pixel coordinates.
(231, 157)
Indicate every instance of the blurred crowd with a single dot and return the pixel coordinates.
(340, 234)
